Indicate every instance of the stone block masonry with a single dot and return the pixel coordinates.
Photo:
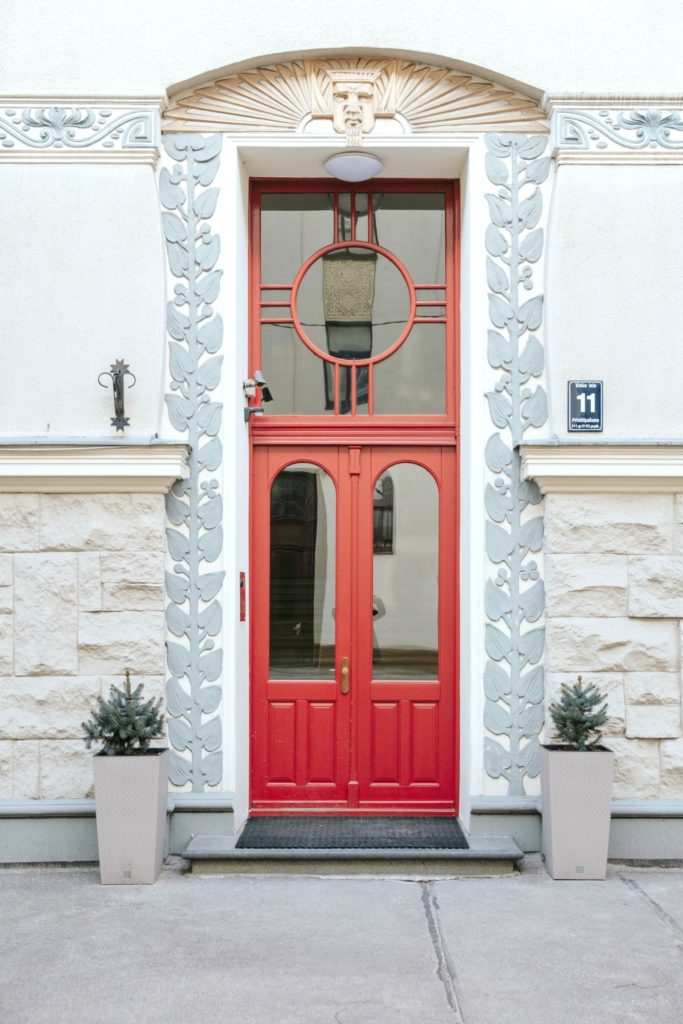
(614, 570)
(81, 599)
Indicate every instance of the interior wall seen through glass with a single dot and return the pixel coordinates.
(406, 581)
(302, 574)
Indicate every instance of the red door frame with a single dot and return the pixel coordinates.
(386, 746)
(300, 436)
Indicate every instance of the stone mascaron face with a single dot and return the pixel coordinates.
(353, 103)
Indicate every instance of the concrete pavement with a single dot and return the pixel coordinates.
(307, 950)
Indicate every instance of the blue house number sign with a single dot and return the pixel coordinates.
(584, 406)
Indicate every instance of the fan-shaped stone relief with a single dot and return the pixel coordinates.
(351, 96)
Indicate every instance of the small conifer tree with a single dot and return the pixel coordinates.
(125, 723)
(577, 718)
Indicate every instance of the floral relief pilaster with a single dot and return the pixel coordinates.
(514, 596)
(194, 506)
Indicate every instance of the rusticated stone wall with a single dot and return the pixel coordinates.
(614, 579)
(81, 599)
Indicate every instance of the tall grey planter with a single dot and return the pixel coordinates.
(130, 806)
(576, 794)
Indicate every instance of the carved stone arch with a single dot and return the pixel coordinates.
(352, 96)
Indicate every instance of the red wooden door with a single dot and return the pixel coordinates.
(353, 654)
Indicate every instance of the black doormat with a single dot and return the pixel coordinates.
(342, 832)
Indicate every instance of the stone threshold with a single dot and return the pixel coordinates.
(485, 857)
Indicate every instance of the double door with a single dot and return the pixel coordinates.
(353, 628)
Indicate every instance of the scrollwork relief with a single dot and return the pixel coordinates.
(59, 127)
(635, 130)
(514, 598)
(194, 506)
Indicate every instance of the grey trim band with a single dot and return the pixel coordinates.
(206, 803)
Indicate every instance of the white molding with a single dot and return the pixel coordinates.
(91, 469)
(611, 158)
(84, 156)
(625, 101)
(604, 468)
(111, 100)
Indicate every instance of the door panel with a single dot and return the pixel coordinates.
(300, 726)
(406, 659)
(382, 601)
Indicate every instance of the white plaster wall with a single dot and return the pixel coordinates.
(132, 47)
(82, 272)
(613, 260)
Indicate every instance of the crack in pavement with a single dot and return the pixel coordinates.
(671, 923)
(445, 968)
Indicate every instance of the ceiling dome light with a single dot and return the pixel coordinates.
(353, 165)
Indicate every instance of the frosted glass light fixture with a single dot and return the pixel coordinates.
(353, 165)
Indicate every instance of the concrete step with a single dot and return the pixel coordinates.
(486, 856)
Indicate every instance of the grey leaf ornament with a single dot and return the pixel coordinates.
(212, 769)
(211, 665)
(496, 277)
(496, 601)
(496, 170)
(531, 720)
(538, 170)
(499, 543)
(531, 360)
(531, 534)
(498, 505)
(514, 239)
(496, 719)
(209, 734)
(194, 507)
(179, 734)
(531, 247)
(495, 241)
(532, 602)
(535, 408)
(497, 681)
(177, 699)
(499, 350)
(210, 698)
(496, 758)
(531, 685)
(498, 455)
(498, 644)
(500, 408)
(529, 757)
(531, 645)
(180, 771)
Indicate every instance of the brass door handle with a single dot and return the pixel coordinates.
(345, 675)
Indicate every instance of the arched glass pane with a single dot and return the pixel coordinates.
(405, 578)
(302, 573)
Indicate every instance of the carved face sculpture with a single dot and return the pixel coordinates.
(353, 107)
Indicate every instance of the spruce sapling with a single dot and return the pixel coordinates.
(576, 716)
(125, 723)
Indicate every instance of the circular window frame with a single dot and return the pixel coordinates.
(336, 247)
